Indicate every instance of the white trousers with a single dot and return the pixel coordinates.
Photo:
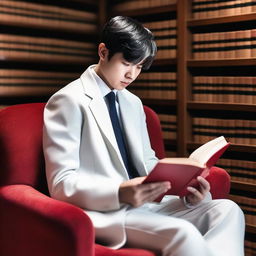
(214, 228)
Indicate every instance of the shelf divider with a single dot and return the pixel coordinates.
(150, 10)
(221, 62)
(221, 20)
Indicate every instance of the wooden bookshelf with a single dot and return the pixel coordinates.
(184, 62)
(187, 67)
(74, 17)
(222, 66)
(42, 37)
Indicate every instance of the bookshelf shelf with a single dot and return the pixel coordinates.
(221, 62)
(170, 142)
(243, 148)
(91, 2)
(36, 26)
(31, 61)
(221, 106)
(221, 20)
(164, 62)
(149, 11)
(251, 228)
(241, 185)
(159, 102)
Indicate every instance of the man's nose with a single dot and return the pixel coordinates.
(131, 72)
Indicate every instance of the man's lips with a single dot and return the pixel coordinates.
(125, 83)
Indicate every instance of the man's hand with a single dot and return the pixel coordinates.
(197, 195)
(136, 194)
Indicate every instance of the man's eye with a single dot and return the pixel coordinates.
(126, 64)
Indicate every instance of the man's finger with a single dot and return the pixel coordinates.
(152, 195)
(154, 191)
(204, 184)
(154, 186)
(195, 192)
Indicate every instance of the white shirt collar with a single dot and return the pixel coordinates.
(102, 85)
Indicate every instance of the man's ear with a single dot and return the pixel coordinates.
(103, 52)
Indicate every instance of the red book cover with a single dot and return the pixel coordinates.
(182, 172)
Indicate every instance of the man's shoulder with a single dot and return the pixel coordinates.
(72, 89)
(71, 92)
(131, 96)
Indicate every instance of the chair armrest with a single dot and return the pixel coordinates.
(219, 180)
(32, 223)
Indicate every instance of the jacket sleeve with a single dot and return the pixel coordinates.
(63, 122)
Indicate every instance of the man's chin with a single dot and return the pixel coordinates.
(121, 87)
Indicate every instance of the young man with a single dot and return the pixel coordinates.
(97, 154)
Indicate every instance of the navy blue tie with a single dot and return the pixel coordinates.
(111, 97)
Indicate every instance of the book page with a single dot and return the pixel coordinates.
(206, 151)
(182, 161)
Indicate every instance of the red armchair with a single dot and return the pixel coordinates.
(32, 223)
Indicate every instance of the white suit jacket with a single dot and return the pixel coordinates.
(83, 163)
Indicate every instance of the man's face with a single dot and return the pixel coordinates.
(119, 73)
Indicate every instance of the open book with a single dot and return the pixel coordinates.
(182, 172)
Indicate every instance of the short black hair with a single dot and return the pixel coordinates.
(128, 36)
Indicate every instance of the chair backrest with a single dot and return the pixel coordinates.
(21, 154)
(155, 132)
(21, 157)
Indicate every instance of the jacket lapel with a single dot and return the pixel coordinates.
(131, 126)
(100, 112)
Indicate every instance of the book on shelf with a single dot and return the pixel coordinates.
(237, 131)
(182, 172)
(140, 4)
(169, 126)
(26, 82)
(47, 16)
(165, 34)
(224, 45)
(152, 85)
(240, 170)
(213, 9)
(236, 89)
(16, 47)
